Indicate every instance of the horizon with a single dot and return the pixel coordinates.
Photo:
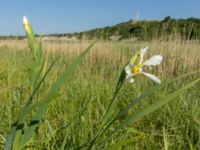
(60, 17)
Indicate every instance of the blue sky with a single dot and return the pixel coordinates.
(62, 16)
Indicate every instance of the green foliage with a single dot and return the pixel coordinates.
(145, 30)
(76, 112)
(135, 116)
(88, 116)
(21, 132)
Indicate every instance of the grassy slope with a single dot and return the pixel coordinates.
(79, 106)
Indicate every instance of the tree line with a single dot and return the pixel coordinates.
(145, 30)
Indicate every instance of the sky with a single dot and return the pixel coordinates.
(67, 16)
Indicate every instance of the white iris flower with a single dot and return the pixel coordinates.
(132, 70)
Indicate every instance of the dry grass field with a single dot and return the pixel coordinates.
(77, 109)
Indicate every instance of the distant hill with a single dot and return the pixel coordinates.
(145, 30)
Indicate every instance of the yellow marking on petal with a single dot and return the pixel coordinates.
(135, 70)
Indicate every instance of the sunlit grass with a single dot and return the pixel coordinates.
(75, 114)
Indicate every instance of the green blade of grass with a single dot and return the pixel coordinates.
(152, 107)
(43, 104)
(9, 139)
(113, 101)
(19, 123)
(43, 78)
(124, 142)
(64, 142)
(56, 86)
(136, 100)
(16, 127)
(37, 67)
(148, 93)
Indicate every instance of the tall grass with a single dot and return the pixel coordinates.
(74, 117)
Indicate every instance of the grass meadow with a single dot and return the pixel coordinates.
(78, 108)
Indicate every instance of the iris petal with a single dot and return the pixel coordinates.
(142, 52)
(130, 79)
(152, 77)
(128, 69)
(154, 60)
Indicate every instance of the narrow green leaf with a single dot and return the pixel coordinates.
(121, 143)
(56, 86)
(9, 139)
(19, 123)
(153, 107)
(43, 78)
(16, 127)
(113, 101)
(64, 142)
(135, 101)
(35, 76)
(43, 104)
